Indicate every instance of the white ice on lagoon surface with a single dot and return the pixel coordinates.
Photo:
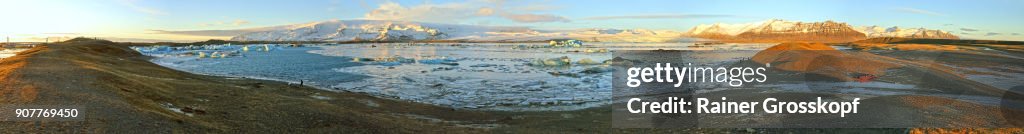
(484, 76)
(487, 76)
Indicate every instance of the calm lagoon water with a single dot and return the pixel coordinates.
(495, 76)
(487, 76)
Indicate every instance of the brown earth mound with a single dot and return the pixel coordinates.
(938, 112)
(119, 91)
(822, 59)
(905, 47)
(897, 40)
(14, 90)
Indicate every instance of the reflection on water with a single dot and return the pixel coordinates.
(497, 76)
(492, 76)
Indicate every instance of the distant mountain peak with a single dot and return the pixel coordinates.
(825, 31)
(385, 30)
(777, 30)
(773, 30)
(896, 31)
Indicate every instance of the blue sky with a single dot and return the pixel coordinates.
(991, 19)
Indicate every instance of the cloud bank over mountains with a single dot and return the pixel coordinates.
(447, 13)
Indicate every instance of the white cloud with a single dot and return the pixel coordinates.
(424, 12)
(222, 23)
(534, 7)
(455, 12)
(239, 22)
(485, 11)
(224, 33)
(919, 11)
(533, 18)
(663, 16)
(968, 29)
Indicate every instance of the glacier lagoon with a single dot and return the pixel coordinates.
(485, 76)
(492, 76)
(488, 76)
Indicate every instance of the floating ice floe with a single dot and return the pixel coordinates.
(600, 50)
(589, 70)
(441, 60)
(203, 51)
(555, 44)
(566, 43)
(398, 60)
(472, 76)
(587, 61)
(475, 85)
(565, 61)
(560, 61)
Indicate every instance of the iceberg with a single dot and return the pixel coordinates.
(566, 43)
(442, 60)
(587, 61)
(387, 61)
(204, 51)
(560, 61)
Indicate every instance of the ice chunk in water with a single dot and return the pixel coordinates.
(587, 61)
(560, 61)
(385, 61)
(442, 60)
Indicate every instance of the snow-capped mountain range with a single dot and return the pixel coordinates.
(383, 30)
(877, 31)
(827, 31)
(371, 30)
